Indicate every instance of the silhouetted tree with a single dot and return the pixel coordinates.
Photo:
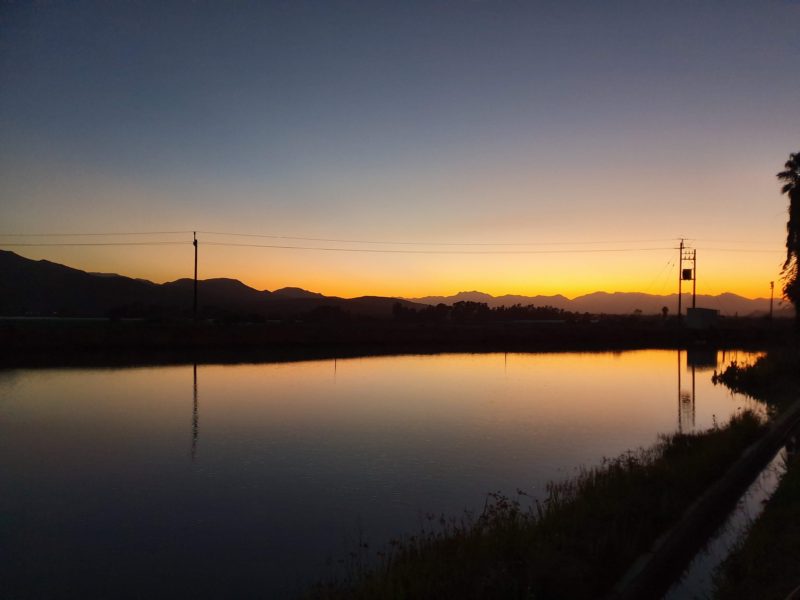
(327, 314)
(791, 187)
(403, 313)
(440, 312)
(470, 311)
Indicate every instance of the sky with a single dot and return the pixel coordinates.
(504, 146)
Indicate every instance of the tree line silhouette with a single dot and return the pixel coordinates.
(467, 311)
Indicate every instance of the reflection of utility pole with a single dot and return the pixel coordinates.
(195, 415)
(686, 400)
(693, 397)
(771, 296)
(680, 424)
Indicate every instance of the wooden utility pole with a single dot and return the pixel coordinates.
(771, 296)
(680, 279)
(686, 255)
(694, 279)
(194, 304)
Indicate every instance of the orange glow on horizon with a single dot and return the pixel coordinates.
(407, 277)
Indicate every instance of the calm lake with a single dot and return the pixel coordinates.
(248, 480)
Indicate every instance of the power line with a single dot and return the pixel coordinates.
(665, 280)
(660, 274)
(742, 250)
(731, 242)
(405, 243)
(392, 251)
(339, 240)
(103, 234)
(364, 241)
(39, 244)
(374, 250)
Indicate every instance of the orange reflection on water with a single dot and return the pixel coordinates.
(605, 393)
(269, 464)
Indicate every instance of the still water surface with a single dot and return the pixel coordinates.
(247, 480)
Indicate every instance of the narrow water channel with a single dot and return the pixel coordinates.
(696, 582)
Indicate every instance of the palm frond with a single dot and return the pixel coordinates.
(791, 267)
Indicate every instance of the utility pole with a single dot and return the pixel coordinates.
(771, 296)
(687, 255)
(694, 279)
(680, 278)
(194, 304)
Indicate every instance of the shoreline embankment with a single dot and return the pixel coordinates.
(655, 570)
(68, 342)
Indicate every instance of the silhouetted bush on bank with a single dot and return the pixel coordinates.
(773, 378)
(576, 543)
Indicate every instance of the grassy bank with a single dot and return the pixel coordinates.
(574, 544)
(767, 564)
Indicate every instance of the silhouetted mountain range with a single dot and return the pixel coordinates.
(620, 302)
(43, 288)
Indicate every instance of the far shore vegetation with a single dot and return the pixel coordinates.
(575, 543)
(34, 343)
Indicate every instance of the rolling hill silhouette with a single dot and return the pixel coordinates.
(621, 302)
(43, 288)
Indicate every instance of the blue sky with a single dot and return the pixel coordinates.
(477, 121)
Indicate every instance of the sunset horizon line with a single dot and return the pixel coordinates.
(451, 292)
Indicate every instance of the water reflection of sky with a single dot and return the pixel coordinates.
(269, 469)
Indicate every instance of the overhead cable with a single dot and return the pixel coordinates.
(37, 244)
(100, 234)
(407, 243)
(392, 251)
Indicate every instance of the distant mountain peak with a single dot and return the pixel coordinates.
(474, 296)
(296, 292)
(41, 287)
(44, 288)
(610, 302)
